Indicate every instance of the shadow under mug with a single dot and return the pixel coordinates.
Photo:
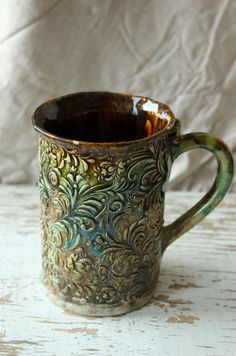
(105, 159)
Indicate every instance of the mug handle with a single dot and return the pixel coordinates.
(216, 193)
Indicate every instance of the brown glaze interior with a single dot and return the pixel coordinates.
(102, 117)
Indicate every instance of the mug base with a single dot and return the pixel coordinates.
(90, 309)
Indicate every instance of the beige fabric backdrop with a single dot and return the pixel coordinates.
(180, 52)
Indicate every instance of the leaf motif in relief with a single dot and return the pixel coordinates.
(103, 211)
(155, 218)
(129, 254)
(110, 169)
(151, 172)
(86, 205)
(58, 206)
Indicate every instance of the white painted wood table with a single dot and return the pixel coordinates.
(193, 311)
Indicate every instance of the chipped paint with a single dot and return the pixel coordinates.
(15, 347)
(6, 299)
(85, 330)
(181, 318)
(177, 286)
(171, 302)
(184, 309)
(27, 323)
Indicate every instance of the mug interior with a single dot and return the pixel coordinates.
(102, 117)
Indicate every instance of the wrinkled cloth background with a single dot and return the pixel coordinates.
(181, 52)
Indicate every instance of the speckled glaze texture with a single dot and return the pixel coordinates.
(102, 209)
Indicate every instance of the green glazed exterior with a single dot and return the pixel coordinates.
(102, 208)
(221, 185)
(102, 217)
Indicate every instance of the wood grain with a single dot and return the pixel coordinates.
(193, 311)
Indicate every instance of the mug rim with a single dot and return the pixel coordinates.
(65, 140)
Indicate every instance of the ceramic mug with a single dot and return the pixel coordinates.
(105, 159)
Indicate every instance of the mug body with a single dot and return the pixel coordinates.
(104, 162)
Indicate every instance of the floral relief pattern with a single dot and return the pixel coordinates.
(101, 220)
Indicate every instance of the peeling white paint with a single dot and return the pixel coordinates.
(193, 311)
